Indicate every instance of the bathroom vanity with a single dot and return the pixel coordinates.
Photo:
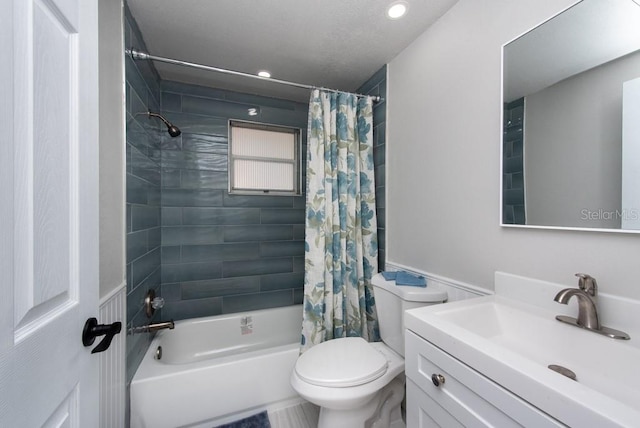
(504, 360)
(444, 391)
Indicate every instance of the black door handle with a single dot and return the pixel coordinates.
(92, 330)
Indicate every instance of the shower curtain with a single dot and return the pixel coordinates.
(341, 244)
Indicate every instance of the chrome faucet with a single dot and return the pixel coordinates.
(587, 311)
(150, 328)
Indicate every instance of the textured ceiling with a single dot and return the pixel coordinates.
(585, 36)
(328, 43)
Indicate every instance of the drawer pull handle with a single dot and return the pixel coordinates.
(437, 379)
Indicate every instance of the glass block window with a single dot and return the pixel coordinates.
(264, 159)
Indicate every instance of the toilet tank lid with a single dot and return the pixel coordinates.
(430, 294)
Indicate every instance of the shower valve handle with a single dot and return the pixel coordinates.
(157, 303)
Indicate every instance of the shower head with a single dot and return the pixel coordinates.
(173, 130)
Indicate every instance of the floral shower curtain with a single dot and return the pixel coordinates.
(341, 248)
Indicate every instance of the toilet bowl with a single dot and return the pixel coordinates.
(361, 384)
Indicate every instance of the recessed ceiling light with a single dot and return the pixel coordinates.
(397, 9)
(264, 73)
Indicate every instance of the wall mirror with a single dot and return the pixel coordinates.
(571, 128)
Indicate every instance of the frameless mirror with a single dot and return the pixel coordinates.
(571, 129)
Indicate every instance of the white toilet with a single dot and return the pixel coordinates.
(360, 384)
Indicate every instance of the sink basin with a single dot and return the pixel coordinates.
(514, 343)
(599, 362)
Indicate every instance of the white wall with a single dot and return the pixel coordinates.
(112, 157)
(443, 160)
(112, 209)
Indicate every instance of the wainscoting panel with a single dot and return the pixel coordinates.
(457, 290)
(112, 362)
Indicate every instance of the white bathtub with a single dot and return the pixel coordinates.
(213, 369)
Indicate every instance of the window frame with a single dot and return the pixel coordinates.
(297, 161)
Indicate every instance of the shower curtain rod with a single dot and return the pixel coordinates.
(143, 55)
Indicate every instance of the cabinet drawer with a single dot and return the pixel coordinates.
(466, 398)
(424, 412)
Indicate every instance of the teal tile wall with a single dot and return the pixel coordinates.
(513, 206)
(376, 85)
(205, 251)
(224, 253)
(143, 193)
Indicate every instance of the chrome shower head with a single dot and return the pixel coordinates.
(173, 130)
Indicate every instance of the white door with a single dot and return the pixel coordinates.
(48, 212)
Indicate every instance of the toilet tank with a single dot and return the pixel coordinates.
(391, 302)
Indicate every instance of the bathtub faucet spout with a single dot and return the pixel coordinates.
(150, 328)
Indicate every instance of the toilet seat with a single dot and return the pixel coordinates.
(341, 363)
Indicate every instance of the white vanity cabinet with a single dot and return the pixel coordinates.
(464, 397)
